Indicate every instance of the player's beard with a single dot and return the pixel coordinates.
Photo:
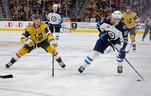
(37, 26)
(128, 12)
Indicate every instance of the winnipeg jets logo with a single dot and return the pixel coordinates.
(53, 18)
(111, 35)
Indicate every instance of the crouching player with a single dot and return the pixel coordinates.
(112, 29)
(36, 34)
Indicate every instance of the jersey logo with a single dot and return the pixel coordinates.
(39, 37)
(108, 26)
(129, 20)
(111, 35)
(124, 27)
(53, 18)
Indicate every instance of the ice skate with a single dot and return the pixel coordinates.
(80, 70)
(134, 47)
(120, 69)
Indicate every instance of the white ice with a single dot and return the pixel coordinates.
(32, 73)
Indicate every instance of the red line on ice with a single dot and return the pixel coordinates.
(24, 91)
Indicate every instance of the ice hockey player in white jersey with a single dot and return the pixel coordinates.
(116, 31)
(55, 20)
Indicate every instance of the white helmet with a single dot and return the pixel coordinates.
(55, 5)
(117, 15)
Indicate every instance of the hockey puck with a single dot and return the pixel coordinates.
(138, 80)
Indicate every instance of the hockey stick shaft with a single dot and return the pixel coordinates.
(126, 59)
(53, 61)
(132, 42)
(6, 76)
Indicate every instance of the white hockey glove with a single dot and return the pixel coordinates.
(138, 26)
(53, 43)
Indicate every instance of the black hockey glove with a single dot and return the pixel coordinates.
(122, 53)
(107, 35)
(59, 25)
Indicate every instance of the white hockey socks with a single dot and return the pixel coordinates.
(57, 36)
(90, 58)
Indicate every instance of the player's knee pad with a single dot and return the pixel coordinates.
(23, 51)
(92, 56)
(132, 38)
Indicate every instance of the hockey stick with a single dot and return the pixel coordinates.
(68, 28)
(132, 42)
(53, 60)
(6, 76)
(125, 59)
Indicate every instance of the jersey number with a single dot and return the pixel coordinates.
(39, 36)
(129, 20)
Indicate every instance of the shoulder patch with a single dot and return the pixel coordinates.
(124, 27)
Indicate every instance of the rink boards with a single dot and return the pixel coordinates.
(78, 26)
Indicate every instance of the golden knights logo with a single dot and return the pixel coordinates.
(39, 37)
(129, 20)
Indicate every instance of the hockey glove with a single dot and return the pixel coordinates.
(53, 43)
(29, 42)
(107, 35)
(138, 26)
(122, 53)
(60, 25)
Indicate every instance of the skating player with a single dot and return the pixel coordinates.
(54, 21)
(116, 31)
(132, 22)
(36, 34)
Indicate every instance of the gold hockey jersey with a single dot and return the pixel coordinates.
(130, 20)
(37, 35)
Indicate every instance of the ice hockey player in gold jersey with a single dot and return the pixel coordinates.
(35, 35)
(132, 22)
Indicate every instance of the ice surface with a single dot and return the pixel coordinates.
(32, 73)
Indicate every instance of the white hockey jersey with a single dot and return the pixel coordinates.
(118, 31)
(54, 18)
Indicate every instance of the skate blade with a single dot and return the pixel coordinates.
(79, 73)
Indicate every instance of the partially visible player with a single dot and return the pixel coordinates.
(132, 22)
(35, 35)
(147, 27)
(55, 20)
(116, 31)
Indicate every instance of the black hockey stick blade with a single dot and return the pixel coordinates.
(6, 76)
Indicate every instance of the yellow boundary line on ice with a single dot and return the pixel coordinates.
(96, 31)
(86, 31)
(12, 29)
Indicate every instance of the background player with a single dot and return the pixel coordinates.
(55, 20)
(114, 30)
(147, 27)
(36, 34)
(132, 22)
